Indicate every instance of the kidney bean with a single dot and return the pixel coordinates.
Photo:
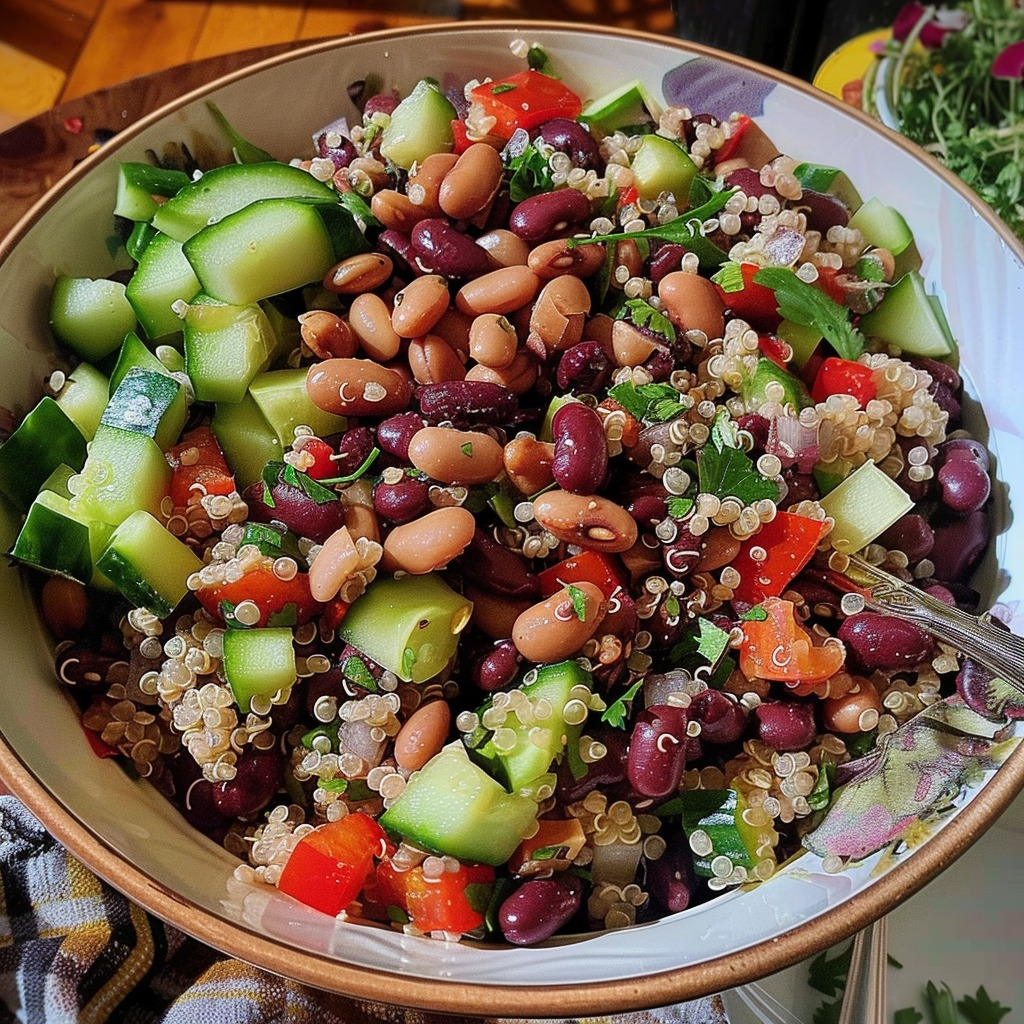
(360, 273)
(554, 629)
(327, 335)
(580, 463)
(667, 625)
(465, 457)
(418, 306)
(670, 879)
(397, 246)
(910, 534)
(472, 183)
(293, 507)
(718, 547)
(855, 711)
(785, 725)
(754, 147)
(504, 249)
(442, 249)
(560, 312)
(357, 387)
(917, 489)
(370, 320)
(876, 641)
(433, 361)
(500, 291)
(401, 502)
(959, 545)
(395, 210)
(542, 216)
(395, 433)
(962, 448)
(947, 402)
(650, 508)
(539, 907)
(573, 139)
(823, 211)
(492, 340)
(692, 302)
(424, 183)
(85, 668)
(429, 542)
(497, 668)
(629, 257)
(354, 449)
(252, 788)
(423, 735)
(748, 181)
(494, 567)
(519, 376)
(556, 257)
(964, 483)
(591, 521)
(528, 464)
(468, 402)
(722, 720)
(584, 368)
(666, 260)
(64, 607)
(340, 151)
(657, 750)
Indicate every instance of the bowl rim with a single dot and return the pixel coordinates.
(473, 998)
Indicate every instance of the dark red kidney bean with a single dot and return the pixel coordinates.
(721, 720)
(648, 509)
(667, 625)
(398, 246)
(497, 668)
(962, 448)
(401, 502)
(610, 770)
(683, 554)
(689, 126)
(293, 507)
(910, 534)
(85, 668)
(341, 155)
(580, 462)
(495, 568)
(395, 433)
(574, 140)
(660, 364)
(467, 402)
(959, 545)
(381, 103)
(543, 216)
(877, 641)
(941, 593)
(666, 260)
(670, 879)
(539, 907)
(947, 402)
(758, 427)
(252, 788)
(785, 725)
(621, 619)
(354, 449)
(823, 211)
(583, 368)
(749, 182)
(941, 373)
(800, 487)
(657, 750)
(964, 484)
(441, 248)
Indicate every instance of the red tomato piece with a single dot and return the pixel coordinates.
(329, 866)
(323, 466)
(828, 283)
(844, 377)
(627, 196)
(754, 302)
(603, 570)
(455, 902)
(281, 602)
(774, 349)
(199, 467)
(460, 133)
(726, 150)
(787, 543)
(525, 100)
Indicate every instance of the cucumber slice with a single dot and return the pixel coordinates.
(864, 506)
(138, 183)
(801, 339)
(831, 180)
(125, 471)
(884, 227)
(409, 624)
(225, 190)
(45, 438)
(162, 278)
(84, 397)
(226, 346)
(57, 481)
(53, 540)
(149, 565)
(420, 125)
(246, 438)
(258, 663)
(628, 104)
(909, 320)
(285, 403)
(134, 353)
(90, 317)
(660, 165)
(453, 807)
(768, 372)
(270, 247)
(150, 402)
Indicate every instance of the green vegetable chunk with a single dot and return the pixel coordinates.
(90, 317)
(246, 438)
(864, 506)
(258, 663)
(84, 397)
(149, 402)
(420, 125)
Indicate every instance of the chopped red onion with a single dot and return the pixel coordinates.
(794, 443)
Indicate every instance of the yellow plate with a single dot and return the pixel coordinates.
(842, 70)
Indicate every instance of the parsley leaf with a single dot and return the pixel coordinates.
(467, 449)
(679, 508)
(497, 90)
(657, 402)
(281, 472)
(729, 277)
(357, 473)
(756, 614)
(981, 1008)
(641, 313)
(802, 303)
(527, 170)
(729, 473)
(712, 642)
(537, 59)
(615, 714)
(359, 208)
(579, 601)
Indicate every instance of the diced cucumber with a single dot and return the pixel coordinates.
(908, 319)
(138, 183)
(148, 564)
(141, 235)
(628, 104)
(246, 438)
(285, 403)
(84, 397)
(831, 180)
(420, 125)
(287, 329)
(134, 353)
(226, 346)
(884, 227)
(125, 471)
(410, 625)
(90, 317)
(537, 743)
(258, 663)
(864, 506)
(453, 807)
(270, 247)
(162, 278)
(57, 481)
(225, 190)
(829, 475)
(801, 339)
(768, 372)
(45, 438)
(53, 540)
(150, 402)
(660, 165)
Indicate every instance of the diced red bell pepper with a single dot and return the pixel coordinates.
(605, 571)
(827, 281)
(844, 377)
(330, 865)
(754, 302)
(627, 196)
(207, 471)
(778, 648)
(323, 466)
(281, 602)
(455, 902)
(788, 543)
(525, 100)
(726, 150)
(774, 349)
(460, 133)
(334, 611)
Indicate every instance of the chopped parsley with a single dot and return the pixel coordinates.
(579, 601)
(281, 472)
(467, 449)
(648, 402)
(728, 472)
(679, 508)
(501, 87)
(641, 313)
(617, 713)
(357, 473)
(527, 170)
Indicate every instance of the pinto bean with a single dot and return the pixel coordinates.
(692, 302)
(558, 626)
(856, 711)
(528, 464)
(472, 183)
(591, 521)
(395, 210)
(430, 542)
(336, 561)
(454, 328)
(453, 456)
(494, 614)
(504, 249)
(500, 291)
(557, 257)
(371, 321)
(419, 305)
(560, 312)
(327, 335)
(64, 606)
(357, 387)
(519, 376)
(361, 521)
(432, 360)
(423, 734)
(424, 184)
(630, 346)
(360, 273)
(492, 340)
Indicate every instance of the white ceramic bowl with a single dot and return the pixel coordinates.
(137, 841)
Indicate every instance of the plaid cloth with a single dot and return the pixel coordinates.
(74, 950)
